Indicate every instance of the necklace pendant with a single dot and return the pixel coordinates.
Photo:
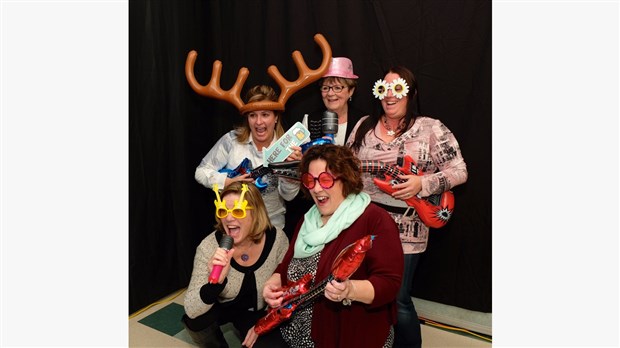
(391, 133)
(245, 257)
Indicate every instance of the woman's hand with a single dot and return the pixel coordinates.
(409, 188)
(221, 258)
(336, 291)
(272, 292)
(250, 338)
(242, 178)
(296, 155)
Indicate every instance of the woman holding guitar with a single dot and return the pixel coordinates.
(262, 109)
(260, 129)
(396, 134)
(360, 310)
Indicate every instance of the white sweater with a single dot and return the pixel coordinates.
(228, 153)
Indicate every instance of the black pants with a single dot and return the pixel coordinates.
(272, 339)
(205, 329)
(205, 336)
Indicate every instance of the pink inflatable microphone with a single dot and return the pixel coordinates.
(226, 243)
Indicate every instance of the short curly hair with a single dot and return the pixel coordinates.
(341, 162)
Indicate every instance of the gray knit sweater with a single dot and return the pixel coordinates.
(194, 306)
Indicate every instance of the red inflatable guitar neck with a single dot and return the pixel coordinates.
(299, 294)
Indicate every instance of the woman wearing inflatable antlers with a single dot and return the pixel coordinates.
(262, 111)
(259, 130)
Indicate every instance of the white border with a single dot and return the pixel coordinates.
(64, 184)
(555, 173)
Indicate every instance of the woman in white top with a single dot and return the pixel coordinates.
(260, 129)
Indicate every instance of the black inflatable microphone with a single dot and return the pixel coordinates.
(225, 243)
(329, 126)
(330, 123)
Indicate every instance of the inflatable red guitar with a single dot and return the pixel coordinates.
(299, 294)
(434, 210)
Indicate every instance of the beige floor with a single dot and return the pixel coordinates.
(144, 336)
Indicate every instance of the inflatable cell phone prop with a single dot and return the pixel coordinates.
(281, 149)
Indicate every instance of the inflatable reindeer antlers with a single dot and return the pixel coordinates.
(287, 88)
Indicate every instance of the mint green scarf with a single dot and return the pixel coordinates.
(313, 237)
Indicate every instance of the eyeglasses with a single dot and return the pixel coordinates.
(325, 179)
(239, 213)
(399, 88)
(239, 206)
(337, 89)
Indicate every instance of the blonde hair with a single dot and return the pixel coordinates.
(260, 218)
(256, 94)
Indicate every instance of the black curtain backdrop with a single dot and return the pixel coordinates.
(446, 43)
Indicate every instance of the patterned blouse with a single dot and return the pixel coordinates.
(436, 153)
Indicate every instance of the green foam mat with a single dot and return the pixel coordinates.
(166, 320)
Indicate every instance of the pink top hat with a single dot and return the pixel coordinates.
(340, 67)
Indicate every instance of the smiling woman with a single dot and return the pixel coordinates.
(259, 130)
(337, 87)
(361, 309)
(397, 133)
